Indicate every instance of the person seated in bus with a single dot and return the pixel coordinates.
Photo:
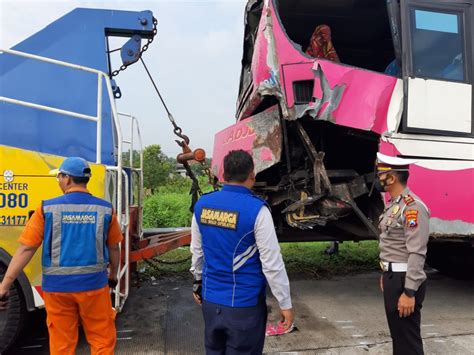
(320, 44)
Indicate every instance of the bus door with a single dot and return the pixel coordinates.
(437, 65)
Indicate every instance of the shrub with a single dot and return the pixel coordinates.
(167, 210)
(169, 207)
(176, 184)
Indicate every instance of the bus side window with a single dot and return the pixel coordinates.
(438, 45)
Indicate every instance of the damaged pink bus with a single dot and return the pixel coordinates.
(325, 85)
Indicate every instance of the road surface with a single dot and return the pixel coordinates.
(343, 315)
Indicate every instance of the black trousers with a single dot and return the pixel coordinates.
(405, 332)
(231, 330)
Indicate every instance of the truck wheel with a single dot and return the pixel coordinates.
(13, 319)
(454, 259)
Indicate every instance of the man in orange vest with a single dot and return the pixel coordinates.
(80, 236)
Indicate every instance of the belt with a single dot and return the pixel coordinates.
(395, 267)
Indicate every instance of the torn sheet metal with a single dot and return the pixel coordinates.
(342, 94)
(366, 98)
(266, 69)
(260, 134)
(345, 95)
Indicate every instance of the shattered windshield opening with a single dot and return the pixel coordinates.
(351, 32)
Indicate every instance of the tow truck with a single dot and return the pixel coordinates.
(58, 98)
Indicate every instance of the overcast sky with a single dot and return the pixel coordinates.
(195, 60)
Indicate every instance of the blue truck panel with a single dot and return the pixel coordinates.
(79, 37)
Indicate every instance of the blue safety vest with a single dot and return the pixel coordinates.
(232, 271)
(75, 254)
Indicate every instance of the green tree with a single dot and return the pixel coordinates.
(156, 167)
(126, 159)
(198, 169)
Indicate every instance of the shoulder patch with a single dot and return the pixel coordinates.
(408, 199)
(411, 217)
(219, 218)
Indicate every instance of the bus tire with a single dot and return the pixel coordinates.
(14, 318)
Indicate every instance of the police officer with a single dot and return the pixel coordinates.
(80, 235)
(404, 227)
(235, 251)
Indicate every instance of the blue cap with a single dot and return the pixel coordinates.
(73, 166)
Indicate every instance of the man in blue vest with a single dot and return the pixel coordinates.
(80, 235)
(235, 251)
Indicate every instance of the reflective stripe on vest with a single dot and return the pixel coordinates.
(70, 213)
(74, 270)
(241, 259)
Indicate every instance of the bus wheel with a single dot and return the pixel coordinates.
(454, 259)
(13, 319)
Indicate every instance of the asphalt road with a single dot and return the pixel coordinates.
(343, 315)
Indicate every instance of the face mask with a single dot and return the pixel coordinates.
(379, 184)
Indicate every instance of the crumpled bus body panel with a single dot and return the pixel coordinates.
(349, 95)
(260, 134)
(334, 117)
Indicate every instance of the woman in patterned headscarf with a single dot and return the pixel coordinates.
(320, 44)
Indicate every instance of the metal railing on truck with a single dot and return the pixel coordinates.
(122, 211)
(150, 242)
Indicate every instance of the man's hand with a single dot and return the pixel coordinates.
(197, 291)
(3, 300)
(381, 282)
(113, 282)
(287, 317)
(406, 305)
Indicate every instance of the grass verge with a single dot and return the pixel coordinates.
(302, 260)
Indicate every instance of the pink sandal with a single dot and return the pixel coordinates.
(278, 329)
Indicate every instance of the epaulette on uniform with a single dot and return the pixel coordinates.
(409, 200)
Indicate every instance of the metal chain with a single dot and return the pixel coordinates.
(177, 130)
(144, 49)
(211, 177)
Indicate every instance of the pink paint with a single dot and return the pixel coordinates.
(366, 96)
(266, 154)
(298, 72)
(238, 136)
(447, 193)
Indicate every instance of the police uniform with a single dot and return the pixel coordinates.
(404, 227)
(235, 251)
(75, 230)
